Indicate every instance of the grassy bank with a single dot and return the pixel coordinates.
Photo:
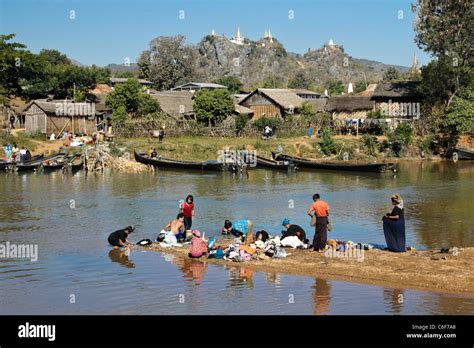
(203, 148)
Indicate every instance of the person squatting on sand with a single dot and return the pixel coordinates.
(119, 238)
(240, 228)
(198, 246)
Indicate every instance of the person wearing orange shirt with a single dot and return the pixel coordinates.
(321, 210)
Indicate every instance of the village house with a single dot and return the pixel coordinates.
(398, 101)
(196, 86)
(57, 116)
(176, 104)
(280, 102)
(344, 108)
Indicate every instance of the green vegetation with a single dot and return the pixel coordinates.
(370, 143)
(28, 75)
(262, 122)
(168, 62)
(129, 98)
(213, 106)
(327, 144)
(335, 87)
(233, 84)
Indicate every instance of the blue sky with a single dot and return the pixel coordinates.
(108, 31)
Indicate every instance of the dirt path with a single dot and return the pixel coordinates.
(422, 270)
(46, 147)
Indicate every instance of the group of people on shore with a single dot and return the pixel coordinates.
(15, 154)
(181, 227)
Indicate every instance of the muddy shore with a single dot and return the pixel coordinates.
(422, 270)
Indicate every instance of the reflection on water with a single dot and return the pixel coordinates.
(70, 217)
(322, 296)
(121, 257)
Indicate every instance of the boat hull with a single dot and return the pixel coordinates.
(176, 164)
(337, 166)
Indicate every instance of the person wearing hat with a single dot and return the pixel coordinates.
(119, 238)
(198, 246)
(394, 226)
(292, 230)
(321, 210)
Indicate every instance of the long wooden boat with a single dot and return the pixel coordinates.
(35, 162)
(465, 154)
(178, 164)
(263, 162)
(60, 162)
(336, 165)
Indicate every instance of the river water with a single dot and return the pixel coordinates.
(70, 217)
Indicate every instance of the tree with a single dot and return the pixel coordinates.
(132, 98)
(168, 61)
(232, 83)
(360, 86)
(300, 80)
(444, 29)
(119, 115)
(54, 57)
(335, 87)
(273, 81)
(213, 105)
(391, 74)
(307, 112)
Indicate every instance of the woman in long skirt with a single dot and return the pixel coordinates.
(394, 226)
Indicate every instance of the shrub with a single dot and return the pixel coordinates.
(370, 143)
(404, 133)
(262, 122)
(240, 122)
(327, 144)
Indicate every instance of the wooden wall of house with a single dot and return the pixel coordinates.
(35, 120)
(262, 106)
(344, 115)
(74, 124)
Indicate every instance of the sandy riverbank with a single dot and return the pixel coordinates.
(422, 270)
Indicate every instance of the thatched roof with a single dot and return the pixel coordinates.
(369, 91)
(403, 89)
(175, 103)
(99, 99)
(198, 85)
(101, 88)
(319, 104)
(240, 109)
(54, 107)
(349, 103)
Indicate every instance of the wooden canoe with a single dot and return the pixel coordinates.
(162, 162)
(465, 154)
(273, 164)
(336, 165)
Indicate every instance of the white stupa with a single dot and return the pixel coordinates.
(350, 88)
(237, 39)
(330, 43)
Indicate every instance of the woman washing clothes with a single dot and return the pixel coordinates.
(394, 226)
(198, 246)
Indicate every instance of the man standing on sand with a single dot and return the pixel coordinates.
(320, 209)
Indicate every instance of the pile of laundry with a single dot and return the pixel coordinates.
(261, 249)
(343, 245)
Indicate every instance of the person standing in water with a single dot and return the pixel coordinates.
(394, 226)
(320, 209)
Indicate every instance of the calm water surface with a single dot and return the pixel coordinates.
(70, 217)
